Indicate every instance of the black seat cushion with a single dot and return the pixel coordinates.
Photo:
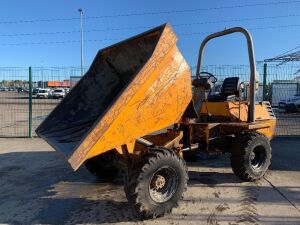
(229, 91)
(230, 86)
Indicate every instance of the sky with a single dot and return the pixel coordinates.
(46, 33)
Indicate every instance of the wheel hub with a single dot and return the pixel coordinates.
(159, 182)
(163, 185)
(258, 157)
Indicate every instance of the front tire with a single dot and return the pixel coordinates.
(156, 184)
(251, 156)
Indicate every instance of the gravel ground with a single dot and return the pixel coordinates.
(38, 187)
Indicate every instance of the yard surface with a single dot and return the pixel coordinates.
(38, 187)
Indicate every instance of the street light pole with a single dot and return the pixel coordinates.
(81, 40)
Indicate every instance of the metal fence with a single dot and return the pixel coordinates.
(21, 111)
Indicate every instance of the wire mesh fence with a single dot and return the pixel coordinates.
(14, 102)
(278, 84)
(21, 112)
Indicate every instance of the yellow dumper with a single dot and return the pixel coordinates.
(117, 115)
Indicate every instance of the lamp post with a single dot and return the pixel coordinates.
(81, 40)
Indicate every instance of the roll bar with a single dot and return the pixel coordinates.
(251, 62)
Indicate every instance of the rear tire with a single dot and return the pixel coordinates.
(251, 156)
(102, 166)
(156, 184)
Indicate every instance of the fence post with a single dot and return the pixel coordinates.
(30, 105)
(265, 82)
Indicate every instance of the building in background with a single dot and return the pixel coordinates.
(58, 84)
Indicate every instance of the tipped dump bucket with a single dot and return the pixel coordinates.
(132, 88)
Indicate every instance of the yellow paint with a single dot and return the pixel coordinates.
(269, 132)
(235, 110)
(155, 99)
(238, 112)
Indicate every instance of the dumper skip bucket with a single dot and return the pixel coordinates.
(133, 88)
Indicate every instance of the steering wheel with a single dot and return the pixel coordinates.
(209, 76)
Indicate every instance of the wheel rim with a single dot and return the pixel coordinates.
(258, 157)
(163, 185)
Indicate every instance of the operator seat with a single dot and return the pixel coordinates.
(229, 92)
